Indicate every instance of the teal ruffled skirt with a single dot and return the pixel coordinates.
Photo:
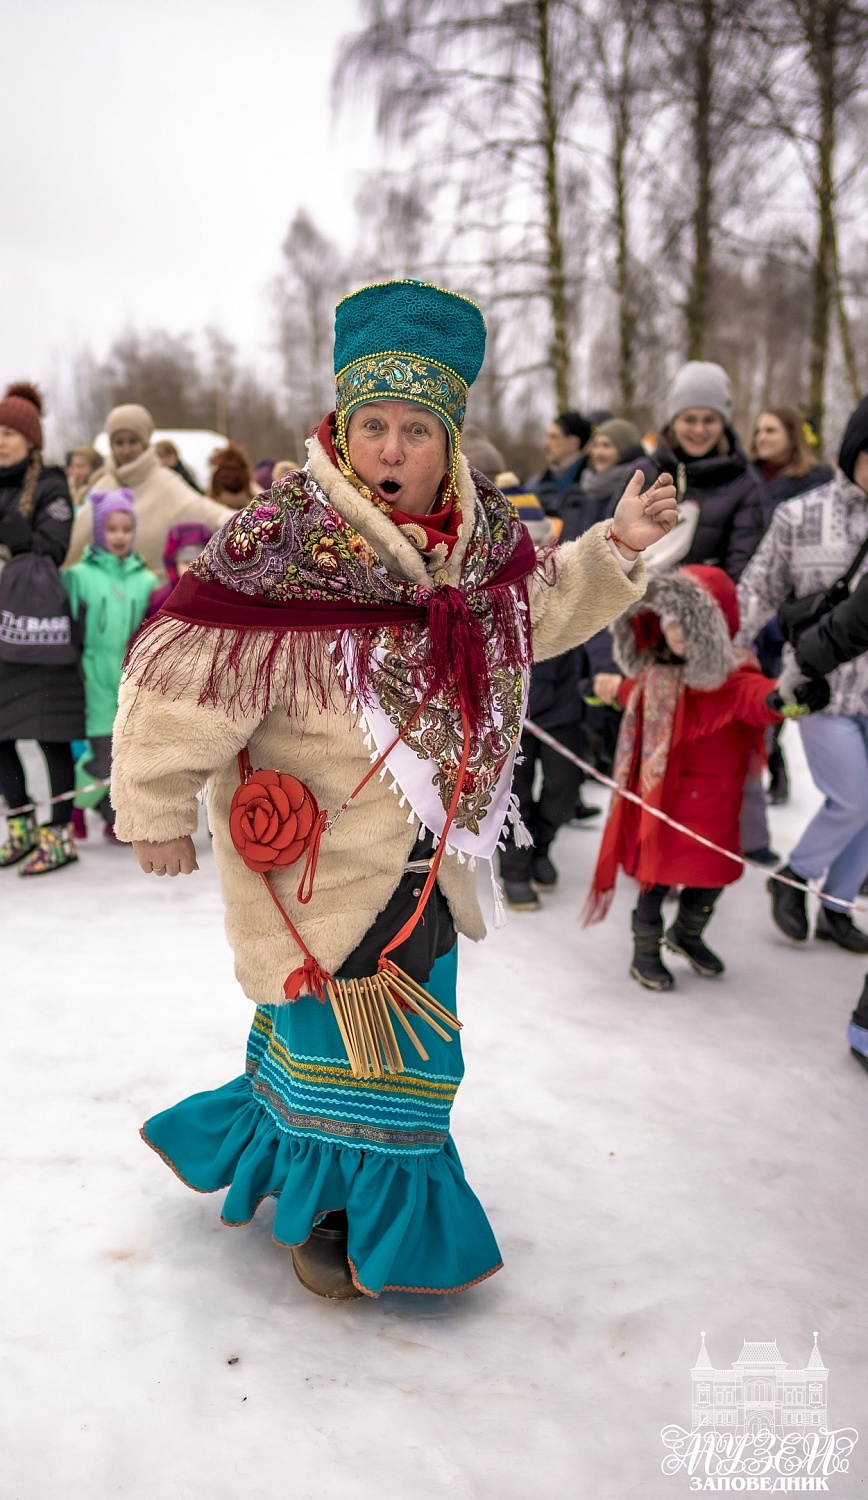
(299, 1128)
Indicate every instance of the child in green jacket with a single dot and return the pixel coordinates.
(108, 593)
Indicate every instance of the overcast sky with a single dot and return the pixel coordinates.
(154, 154)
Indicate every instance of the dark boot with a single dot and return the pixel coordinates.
(545, 876)
(685, 937)
(584, 810)
(858, 1033)
(779, 781)
(520, 895)
(789, 907)
(647, 965)
(837, 926)
(321, 1263)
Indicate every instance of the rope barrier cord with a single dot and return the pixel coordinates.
(548, 739)
(16, 812)
(739, 859)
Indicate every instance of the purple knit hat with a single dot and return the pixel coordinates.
(104, 503)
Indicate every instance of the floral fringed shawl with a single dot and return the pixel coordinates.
(288, 597)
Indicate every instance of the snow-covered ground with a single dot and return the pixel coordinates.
(652, 1166)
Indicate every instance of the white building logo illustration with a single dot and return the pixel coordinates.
(759, 1392)
(759, 1425)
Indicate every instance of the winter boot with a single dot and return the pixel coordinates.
(520, 895)
(779, 781)
(583, 811)
(647, 965)
(79, 824)
(545, 876)
(321, 1263)
(21, 836)
(56, 848)
(764, 856)
(837, 926)
(685, 937)
(789, 907)
(858, 1034)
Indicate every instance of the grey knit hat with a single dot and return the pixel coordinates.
(700, 383)
(623, 434)
(480, 452)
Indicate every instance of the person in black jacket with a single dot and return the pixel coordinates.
(700, 447)
(555, 701)
(782, 459)
(838, 638)
(557, 485)
(37, 702)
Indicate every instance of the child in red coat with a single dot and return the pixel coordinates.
(695, 711)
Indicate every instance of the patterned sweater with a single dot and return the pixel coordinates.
(812, 540)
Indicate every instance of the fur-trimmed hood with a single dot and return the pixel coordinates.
(701, 605)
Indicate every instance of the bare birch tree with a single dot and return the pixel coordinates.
(314, 277)
(712, 69)
(624, 67)
(500, 82)
(823, 66)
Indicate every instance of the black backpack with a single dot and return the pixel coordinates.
(35, 624)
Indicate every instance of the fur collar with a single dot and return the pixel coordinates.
(396, 553)
(710, 656)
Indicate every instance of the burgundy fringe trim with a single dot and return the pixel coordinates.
(246, 673)
(249, 672)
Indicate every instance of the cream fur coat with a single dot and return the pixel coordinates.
(167, 749)
(163, 500)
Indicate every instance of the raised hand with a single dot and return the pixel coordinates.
(644, 517)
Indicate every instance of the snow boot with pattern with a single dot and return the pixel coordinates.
(55, 848)
(21, 837)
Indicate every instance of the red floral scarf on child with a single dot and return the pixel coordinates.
(651, 724)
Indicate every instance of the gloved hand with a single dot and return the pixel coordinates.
(792, 677)
(799, 692)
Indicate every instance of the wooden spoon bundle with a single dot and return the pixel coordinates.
(364, 1010)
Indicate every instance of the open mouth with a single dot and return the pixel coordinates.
(389, 489)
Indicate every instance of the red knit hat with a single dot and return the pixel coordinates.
(21, 409)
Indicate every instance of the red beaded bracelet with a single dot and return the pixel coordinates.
(612, 536)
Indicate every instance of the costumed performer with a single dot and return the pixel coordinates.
(346, 666)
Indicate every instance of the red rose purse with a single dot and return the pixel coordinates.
(273, 820)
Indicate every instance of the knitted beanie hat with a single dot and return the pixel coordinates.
(480, 452)
(230, 470)
(21, 409)
(700, 383)
(623, 434)
(105, 503)
(854, 441)
(130, 418)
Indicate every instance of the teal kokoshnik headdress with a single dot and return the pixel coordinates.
(407, 341)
